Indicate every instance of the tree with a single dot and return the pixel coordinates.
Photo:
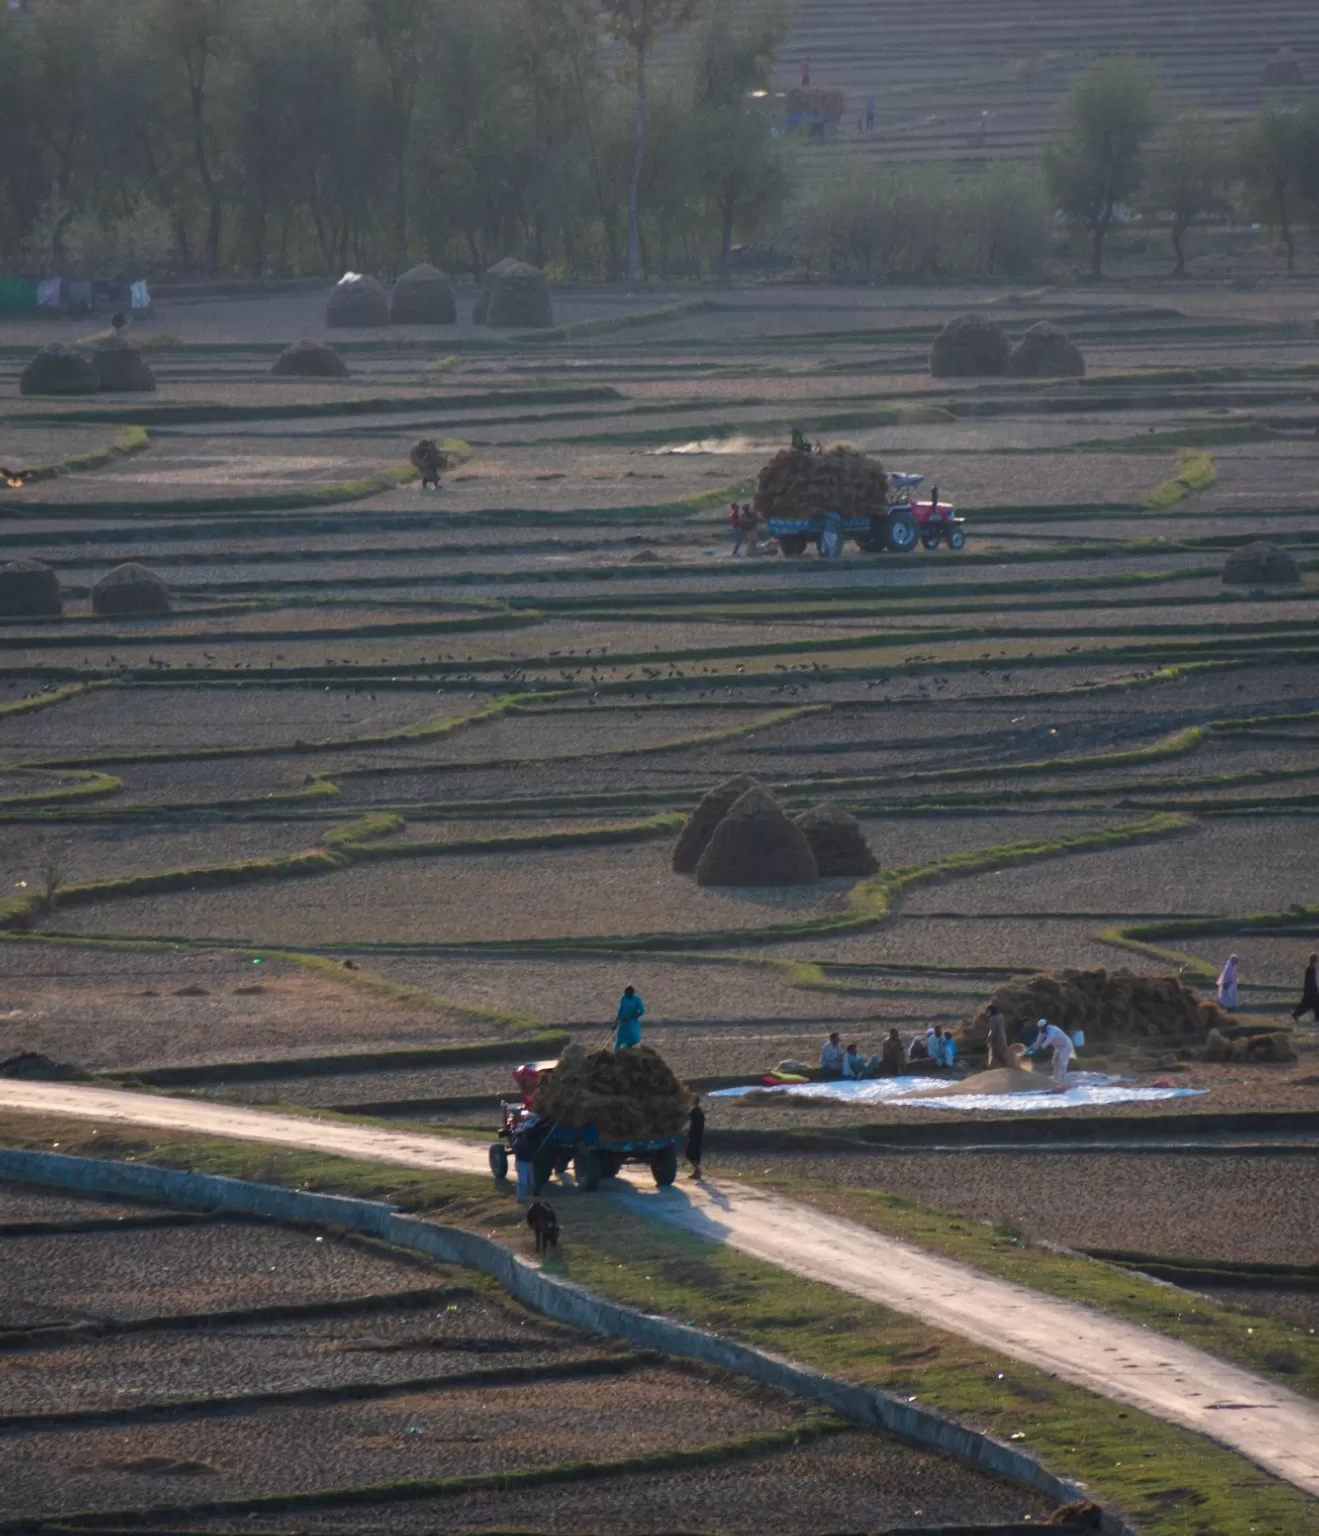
(638, 24)
(403, 33)
(1095, 159)
(1277, 165)
(1188, 178)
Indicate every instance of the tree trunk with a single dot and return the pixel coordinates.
(1098, 230)
(726, 249)
(1285, 230)
(634, 186)
(1178, 231)
(213, 236)
(401, 213)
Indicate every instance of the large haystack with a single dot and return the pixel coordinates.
(357, 300)
(130, 588)
(481, 309)
(1044, 352)
(699, 827)
(836, 840)
(59, 370)
(756, 844)
(29, 589)
(1253, 1050)
(308, 359)
(969, 346)
(627, 1095)
(121, 368)
(1261, 565)
(423, 296)
(519, 298)
(1110, 1006)
(797, 484)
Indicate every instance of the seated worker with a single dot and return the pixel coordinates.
(891, 1055)
(919, 1049)
(854, 1063)
(832, 1056)
(948, 1052)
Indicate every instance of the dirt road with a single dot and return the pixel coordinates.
(1275, 1428)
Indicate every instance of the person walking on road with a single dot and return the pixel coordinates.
(1309, 1002)
(630, 1009)
(695, 1139)
(1227, 985)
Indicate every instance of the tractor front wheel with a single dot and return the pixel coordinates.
(956, 538)
(931, 540)
(499, 1159)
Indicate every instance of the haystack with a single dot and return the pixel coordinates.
(130, 588)
(796, 484)
(481, 309)
(27, 589)
(357, 300)
(967, 347)
(836, 840)
(1045, 352)
(699, 827)
(59, 370)
(756, 844)
(308, 359)
(628, 1095)
(1110, 1006)
(423, 296)
(1252, 1050)
(1261, 565)
(121, 368)
(519, 298)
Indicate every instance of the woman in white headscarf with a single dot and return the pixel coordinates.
(1227, 984)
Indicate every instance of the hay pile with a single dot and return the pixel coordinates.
(130, 588)
(308, 359)
(699, 827)
(628, 1095)
(1252, 1050)
(795, 484)
(481, 309)
(121, 368)
(519, 297)
(1044, 352)
(357, 300)
(59, 370)
(1261, 565)
(756, 844)
(1110, 1006)
(28, 588)
(967, 347)
(423, 296)
(836, 840)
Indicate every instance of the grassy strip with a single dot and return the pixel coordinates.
(46, 699)
(132, 440)
(1182, 437)
(1140, 937)
(1212, 1271)
(1196, 473)
(666, 824)
(87, 784)
(607, 324)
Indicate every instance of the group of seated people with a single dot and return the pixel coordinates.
(935, 1046)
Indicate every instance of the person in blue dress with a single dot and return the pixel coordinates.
(630, 1009)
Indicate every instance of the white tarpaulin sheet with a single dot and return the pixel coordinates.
(1083, 1088)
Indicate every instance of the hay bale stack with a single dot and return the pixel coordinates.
(969, 346)
(121, 368)
(1250, 1050)
(308, 359)
(1045, 352)
(130, 588)
(796, 484)
(699, 827)
(1261, 565)
(756, 844)
(29, 589)
(628, 1095)
(1110, 1006)
(837, 841)
(423, 296)
(481, 309)
(519, 298)
(59, 370)
(356, 300)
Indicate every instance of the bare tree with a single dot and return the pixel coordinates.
(54, 872)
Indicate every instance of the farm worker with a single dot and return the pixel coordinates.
(528, 1141)
(934, 500)
(735, 522)
(805, 71)
(800, 442)
(751, 528)
(996, 1039)
(918, 1050)
(695, 1139)
(1309, 1002)
(891, 1055)
(870, 115)
(1057, 1040)
(831, 1056)
(630, 1009)
(1227, 984)
(854, 1063)
(934, 1044)
(949, 1053)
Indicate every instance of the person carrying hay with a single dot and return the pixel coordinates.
(630, 1010)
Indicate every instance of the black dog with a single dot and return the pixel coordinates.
(544, 1223)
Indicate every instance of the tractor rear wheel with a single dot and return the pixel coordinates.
(901, 532)
(499, 1159)
(664, 1165)
(586, 1169)
(793, 543)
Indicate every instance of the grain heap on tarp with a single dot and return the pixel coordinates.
(481, 309)
(797, 484)
(1261, 565)
(121, 368)
(130, 588)
(1250, 1049)
(423, 296)
(519, 298)
(1110, 1006)
(969, 346)
(627, 1095)
(28, 589)
(756, 844)
(699, 826)
(836, 840)
(59, 370)
(357, 300)
(308, 359)
(1045, 352)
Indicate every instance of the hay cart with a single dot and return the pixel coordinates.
(905, 523)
